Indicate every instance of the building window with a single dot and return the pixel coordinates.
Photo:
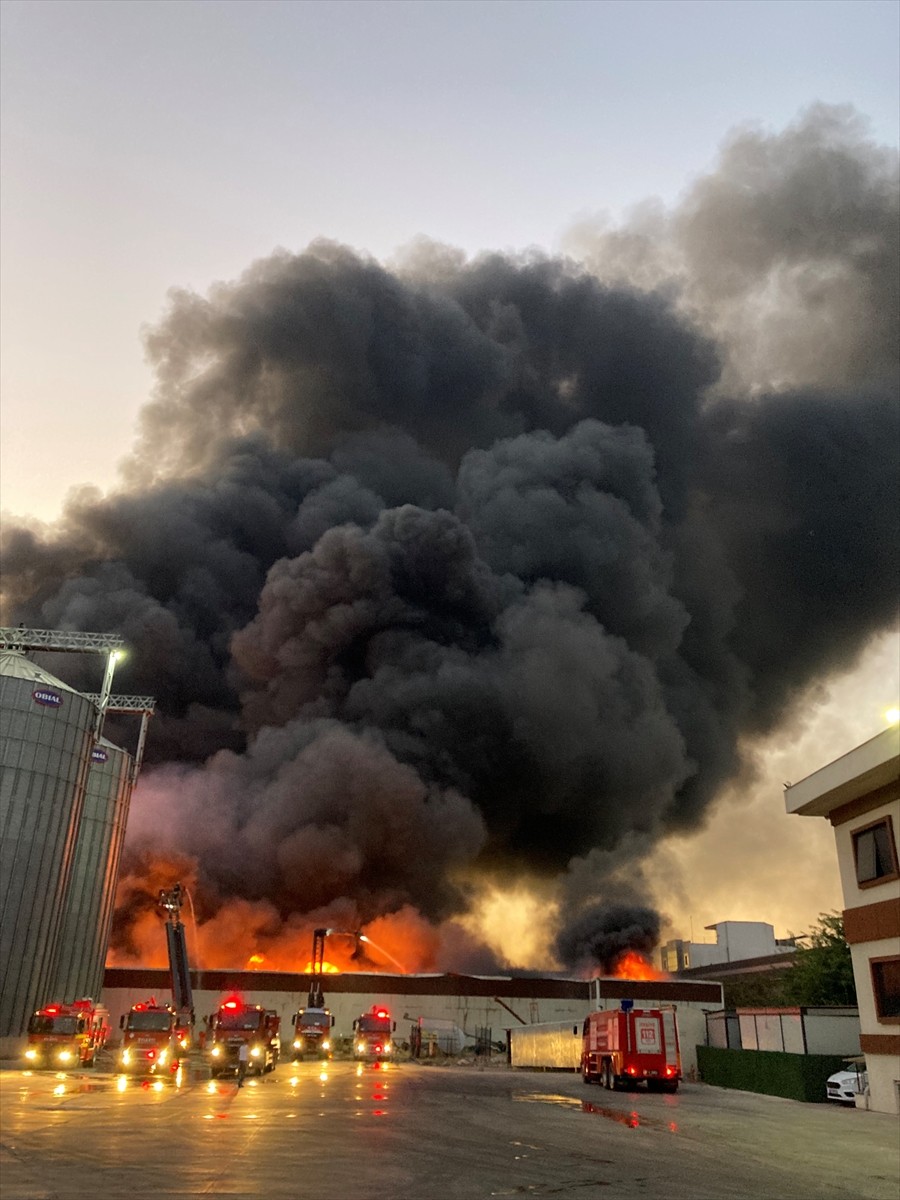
(875, 853)
(886, 988)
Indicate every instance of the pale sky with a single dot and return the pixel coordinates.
(161, 144)
(147, 145)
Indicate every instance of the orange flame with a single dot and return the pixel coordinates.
(633, 965)
(327, 968)
(255, 961)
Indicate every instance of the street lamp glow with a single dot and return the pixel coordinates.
(892, 716)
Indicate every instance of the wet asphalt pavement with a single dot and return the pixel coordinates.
(345, 1131)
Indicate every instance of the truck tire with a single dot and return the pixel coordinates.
(608, 1081)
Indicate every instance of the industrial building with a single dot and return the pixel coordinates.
(453, 1012)
(64, 797)
(464, 1003)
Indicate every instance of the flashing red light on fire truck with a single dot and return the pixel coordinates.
(60, 1034)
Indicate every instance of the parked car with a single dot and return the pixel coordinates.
(845, 1086)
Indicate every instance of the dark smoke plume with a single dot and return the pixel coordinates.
(476, 567)
(602, 933)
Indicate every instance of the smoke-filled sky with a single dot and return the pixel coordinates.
(481, 585)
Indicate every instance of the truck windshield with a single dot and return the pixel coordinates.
(64, 1025)
(154, 1022)
(238, 1020)
(374, 1025)
(315, 1020)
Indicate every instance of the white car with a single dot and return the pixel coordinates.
(845, 1086)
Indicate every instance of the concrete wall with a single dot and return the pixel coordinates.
(884, 1083)
(467, 1012)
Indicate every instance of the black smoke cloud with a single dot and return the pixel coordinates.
(485, 566)
(602, 933)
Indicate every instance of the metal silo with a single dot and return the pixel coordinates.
(87, 915)
(46, 733)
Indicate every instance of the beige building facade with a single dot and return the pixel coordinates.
(859, 794)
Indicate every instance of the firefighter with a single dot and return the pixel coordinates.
(243, 1061)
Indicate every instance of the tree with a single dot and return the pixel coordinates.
(760, 990)
(822, 973)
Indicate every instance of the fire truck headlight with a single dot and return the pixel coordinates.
(126, 1056)
(65, 1056)
(217, 1052)
(256, 1051)
(297, 1044)
(360, 1047)
(183, 1043)
(326, 1045)
(387, 1047)
(32, 1054)
(163, 1054)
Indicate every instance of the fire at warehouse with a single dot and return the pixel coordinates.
(469, 577)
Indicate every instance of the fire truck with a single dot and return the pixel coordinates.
(154, 1040)
(234, 1023)
(313, 1024)
(67, 1035)
(312, 1032)
(372, 1034)
(626, 1046)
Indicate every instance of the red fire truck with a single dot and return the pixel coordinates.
(234, 1023)
(625, 1046)
(312, 1032)
(67, 1035)
(154, 1040)
(372, 1034)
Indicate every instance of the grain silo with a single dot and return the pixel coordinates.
(87, 915)
(46, 734)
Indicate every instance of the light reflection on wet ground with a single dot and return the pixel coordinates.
(453, 1134)
(631, 1119)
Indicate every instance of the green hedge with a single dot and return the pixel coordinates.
(794, 1076)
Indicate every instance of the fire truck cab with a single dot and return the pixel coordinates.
(626, 1046)
(372, 1034)
(154, 1039)
(234, 1023)
(67, 1035)
(312, 1032)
